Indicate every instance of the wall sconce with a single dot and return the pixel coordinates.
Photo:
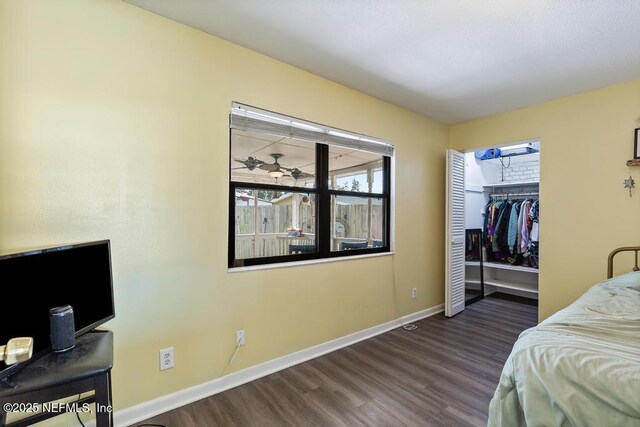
(629, 183)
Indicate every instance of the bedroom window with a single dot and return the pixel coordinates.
(299, 190)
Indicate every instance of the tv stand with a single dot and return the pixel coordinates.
(85, 368)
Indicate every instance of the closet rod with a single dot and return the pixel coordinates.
(507, 195)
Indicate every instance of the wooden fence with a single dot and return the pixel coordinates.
(274, 221)
(355, 219)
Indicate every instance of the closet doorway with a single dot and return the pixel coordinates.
(493, 223)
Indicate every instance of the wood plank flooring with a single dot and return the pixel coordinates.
(442, 374)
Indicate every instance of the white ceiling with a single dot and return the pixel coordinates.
(451, 60)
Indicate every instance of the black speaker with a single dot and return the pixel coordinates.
(62, 328)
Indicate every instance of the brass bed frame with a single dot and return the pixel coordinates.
(613, 253)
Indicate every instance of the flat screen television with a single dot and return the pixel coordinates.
(33, 282)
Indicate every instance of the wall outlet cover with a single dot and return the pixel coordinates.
(240, 339)
(166, 358)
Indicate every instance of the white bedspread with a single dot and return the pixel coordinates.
(580, 367)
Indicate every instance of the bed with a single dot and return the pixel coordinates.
(579, 367)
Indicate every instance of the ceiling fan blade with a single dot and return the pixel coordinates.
(250, 163)
(298, 174)
(241, 167)
(269, 167)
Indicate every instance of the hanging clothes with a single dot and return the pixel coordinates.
(535, 227)
(501, 233)
(511, 230)
(513, 227)
(492, 213)
(501, 206)
(525, 227)
(534, 215)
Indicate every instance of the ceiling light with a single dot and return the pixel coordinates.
(276, 174)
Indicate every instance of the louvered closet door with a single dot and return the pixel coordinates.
(454, 273)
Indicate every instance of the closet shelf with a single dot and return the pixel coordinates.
(512, 184)
(511, 285)
(502, 266)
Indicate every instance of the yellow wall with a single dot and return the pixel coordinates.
(585, 211)
(114, 124)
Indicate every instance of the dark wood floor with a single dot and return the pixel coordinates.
(443, 373)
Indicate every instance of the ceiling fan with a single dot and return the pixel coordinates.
(250, 163)
(275, 169)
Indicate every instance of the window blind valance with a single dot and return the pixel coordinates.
(253, 119)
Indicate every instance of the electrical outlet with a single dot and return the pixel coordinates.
(414, 293)
(166, 358)
(240, 338)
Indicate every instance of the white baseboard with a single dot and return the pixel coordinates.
(171, 401)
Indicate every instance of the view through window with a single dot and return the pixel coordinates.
(299, 190)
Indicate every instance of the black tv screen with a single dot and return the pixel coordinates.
(33, 282)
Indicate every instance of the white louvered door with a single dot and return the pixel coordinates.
(455, 235)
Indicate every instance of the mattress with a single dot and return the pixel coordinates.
(579, 367)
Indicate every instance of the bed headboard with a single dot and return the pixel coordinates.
(613, 253)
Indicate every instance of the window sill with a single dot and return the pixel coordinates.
(309, 262)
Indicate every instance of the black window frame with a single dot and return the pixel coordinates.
(323, 194)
